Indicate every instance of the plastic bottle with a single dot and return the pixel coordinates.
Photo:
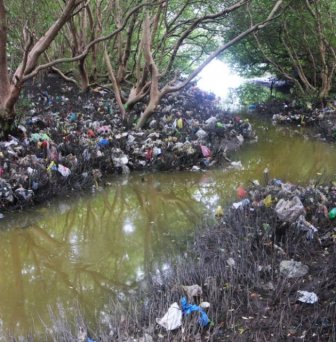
(332, 213)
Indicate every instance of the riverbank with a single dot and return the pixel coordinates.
(321, 120)
(68, 141)
(264, 271)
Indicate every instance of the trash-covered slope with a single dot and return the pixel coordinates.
(68, 141)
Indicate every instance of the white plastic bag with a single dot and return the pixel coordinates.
(307, 297)
(172, 319)
(290, 210)
(64, 171)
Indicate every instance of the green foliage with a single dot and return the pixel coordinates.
(36, 15)
(250, 93)
(299, 46)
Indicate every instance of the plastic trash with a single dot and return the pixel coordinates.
(35, 185)
(293, 269)
(241, 192)
(195, 168)
(12, 142)
(52, 167)
(64, 171)
(103, 142)
(72, 117)
(211, 122)
(290, 210)
(6, 191)
(187, 309)
(201, 134)
(237, 165)
(22, 128)
(277, 182)
(24, 193)
(205, 151)
(307, 297)
(172, 318)
(179, 123)
(157, 151)
(332, 214)
(192, 291)
(205, 305)
(306, 226)
(104, 130)
(231, 262)
(120, 161)
(35, 137)
(91, 133)
(240, 138)
(242, 204)
(149, 154)
(268, 201)
(219, 212)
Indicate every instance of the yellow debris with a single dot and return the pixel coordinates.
(219, 212)
(268, 201)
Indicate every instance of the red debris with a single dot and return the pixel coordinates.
(241, 192)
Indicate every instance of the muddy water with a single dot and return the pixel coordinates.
(85, 251)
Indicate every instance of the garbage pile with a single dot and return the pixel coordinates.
(310, 209)
(270, 258)
(67, 141)
(322, 120)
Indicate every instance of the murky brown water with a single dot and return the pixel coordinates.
(90, 249)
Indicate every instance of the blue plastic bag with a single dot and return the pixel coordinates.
(103, 142)
(187, 309)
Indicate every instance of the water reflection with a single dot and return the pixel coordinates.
(93, 248)
(101, 245)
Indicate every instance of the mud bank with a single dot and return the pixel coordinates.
(264, 271)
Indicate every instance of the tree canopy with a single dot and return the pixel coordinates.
(150, 48)
(299, 46)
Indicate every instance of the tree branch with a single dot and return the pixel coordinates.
(35, 71)
(224, 47)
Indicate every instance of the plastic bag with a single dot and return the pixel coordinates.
(307, 297)
(268, 201)
(241, 192)
(242, 204)
(192, 291)
(179, 123)
(306, 226)
(293, 269)
(205, 151)
(187, 309)
(64, 171)
(290, 210)
(172, 319)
